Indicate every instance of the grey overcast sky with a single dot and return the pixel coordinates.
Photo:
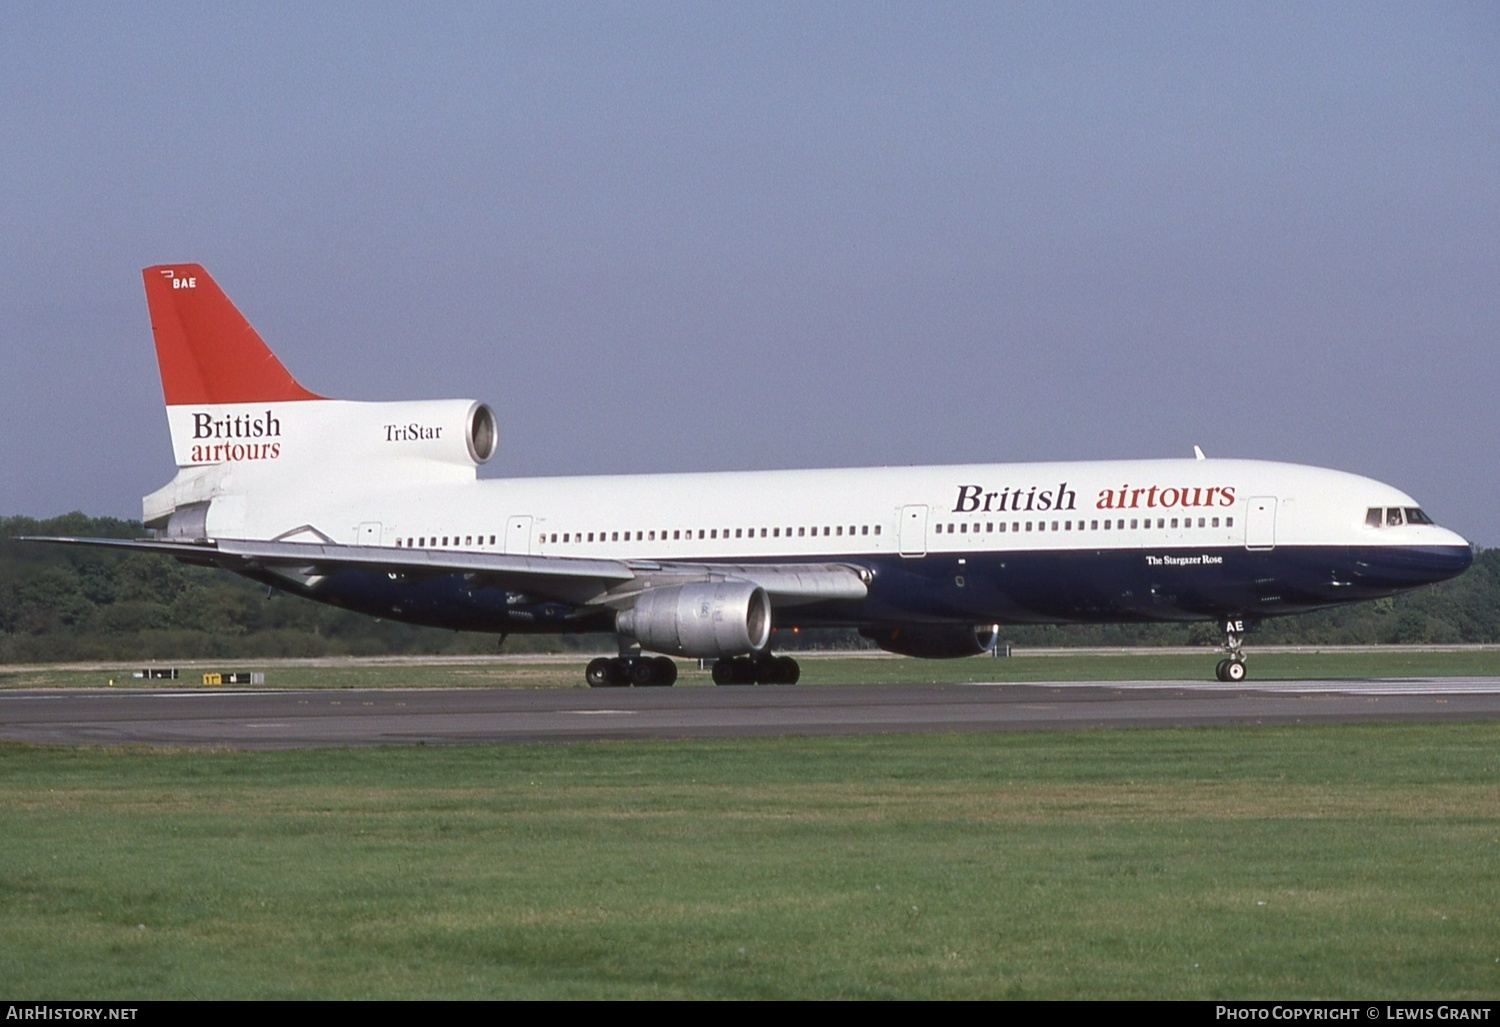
(661, 236)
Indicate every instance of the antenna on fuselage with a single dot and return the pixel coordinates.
(1198, 454)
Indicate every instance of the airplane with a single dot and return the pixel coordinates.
(377, 507)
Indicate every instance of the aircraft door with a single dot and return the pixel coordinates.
(914, 530)
(518, 535)
(1260, 523)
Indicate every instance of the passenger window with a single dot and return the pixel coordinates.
(1229, 522)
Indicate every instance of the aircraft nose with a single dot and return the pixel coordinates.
(1408, 566)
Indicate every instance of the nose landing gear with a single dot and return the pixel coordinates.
(1232, 668)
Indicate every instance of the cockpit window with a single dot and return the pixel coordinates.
(1395, 516)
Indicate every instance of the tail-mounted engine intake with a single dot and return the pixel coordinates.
(935, 641)
(718, 619)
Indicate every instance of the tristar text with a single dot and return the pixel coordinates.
(411, 432)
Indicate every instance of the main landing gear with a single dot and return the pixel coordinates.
(1232, 668)
(637, 670)
(761, 670)
(647, 671)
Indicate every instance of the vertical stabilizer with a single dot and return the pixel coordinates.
(257, 454)
(206, 350)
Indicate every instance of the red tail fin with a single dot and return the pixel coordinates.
(207, 351)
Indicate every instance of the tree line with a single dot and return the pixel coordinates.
(72, 603)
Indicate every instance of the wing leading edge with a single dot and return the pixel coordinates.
(586, 582)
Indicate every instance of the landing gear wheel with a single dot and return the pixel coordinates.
(739, 671)
(641, 671)
(776, 670)
(1232, 669)
(763, 670)
(600, 673)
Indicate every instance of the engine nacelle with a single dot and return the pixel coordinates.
(935, 641)
(715, 619)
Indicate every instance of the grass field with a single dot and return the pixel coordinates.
(1354, 861)
(817, 669)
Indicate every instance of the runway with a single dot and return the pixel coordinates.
(357, 717)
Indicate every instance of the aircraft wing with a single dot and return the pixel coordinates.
(582, 581)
